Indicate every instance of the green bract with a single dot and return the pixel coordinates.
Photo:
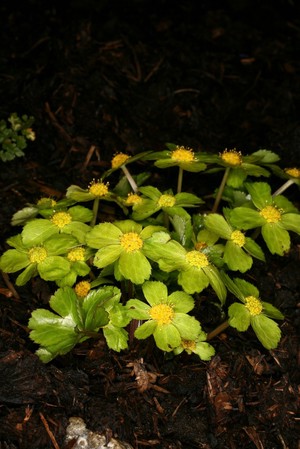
(253, 312)
(166, 316)
(198, 346)
(178, 156)
(127, 245)
(274, 215)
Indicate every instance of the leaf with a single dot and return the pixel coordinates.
(187, 326)
(266, 330)
(193, 280)
(181, 301)
(53, 267)
(81, 213)
(116, 338)
(134, 266)
(167, 337)
(236, 178)
(271, 311)
(65, 303)
(96, 317)
(246, 288)
(216, 282)
(266, 156)
(254, 249)
(138, 309)
(22, 216)
(27, 274)
(145, 330)
(232, 287)
(37, 231)
(217, 224)
(107, 255)
(291, 222)
(236, 259)
(155, 292)
(102, 235)
(204, 350)
(13, 260)
(277, 239)
(239, 317)
(246, 218)
(260, 194)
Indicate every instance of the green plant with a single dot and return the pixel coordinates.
(146, 270)
(14, 136)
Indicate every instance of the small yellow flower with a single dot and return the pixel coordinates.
(131, 241)
(238, 238)
(98, 188)
(293, 172)
(30, 134)
(133, 199)
(76, 254)
(37, 254)
(271, 214)
(46, 202)
(61, 219)
(166, 201)
(182, 154)
(253, 305)
(189, 345)
(232, 157)
(82, 289)
(162, 313)
(197, 259)
(119, 159)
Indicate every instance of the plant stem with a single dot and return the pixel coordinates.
(221, 190)
(179, 181)
(217, 330)
(95, 211)
(284, 186)
(130, 179)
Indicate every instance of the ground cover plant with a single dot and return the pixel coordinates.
(146, 271)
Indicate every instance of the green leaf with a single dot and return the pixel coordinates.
(96, 317)
(182, 227)
(138, 309)
(38, 231)
(134, 266)
(78, 230)
(236, 178)
(216, 282)
(204, 350)
(119, 316)
(260, 194)
(239, 317)
(254, 249)
(266, 156)
(66, 304)
(271, 311)
(27, 274)
(60, 244)
(235, 258)
(167, 337)
(277, 239)
(116, 338)
(22, 216)
(53, 267)
(80, 213)
(181, 301)
(102, 235)
(13, 260)
(107, 255)
(187, 326)
(151, 192)
(232, 287)
(193, 280)
(217, 224)
(291, 222)
(155, 292)
(246, 218)
(266, 330)
(145, 330)
(246, 288)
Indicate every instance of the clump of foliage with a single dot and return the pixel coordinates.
(145, 270)
(14, 134)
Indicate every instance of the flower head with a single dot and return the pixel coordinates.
(293, 172)
(119, 159)
(251, 311)
(275, 215)
(182, 154)
(232, 158)
(98, 188)
(178, 156)
(46, 260)
(82, 288)
(198, 346)
(238, 249)
(152, 201)
(165, 316)
(133, 199)
(125, 245)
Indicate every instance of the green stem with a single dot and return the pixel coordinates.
(130, 178)
(179, 181)
(95, 211)
(217, 330)
(221, 190)
(284, 186)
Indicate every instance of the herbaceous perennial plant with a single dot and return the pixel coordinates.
(149, 268)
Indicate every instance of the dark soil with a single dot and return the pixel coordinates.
(107, 76)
